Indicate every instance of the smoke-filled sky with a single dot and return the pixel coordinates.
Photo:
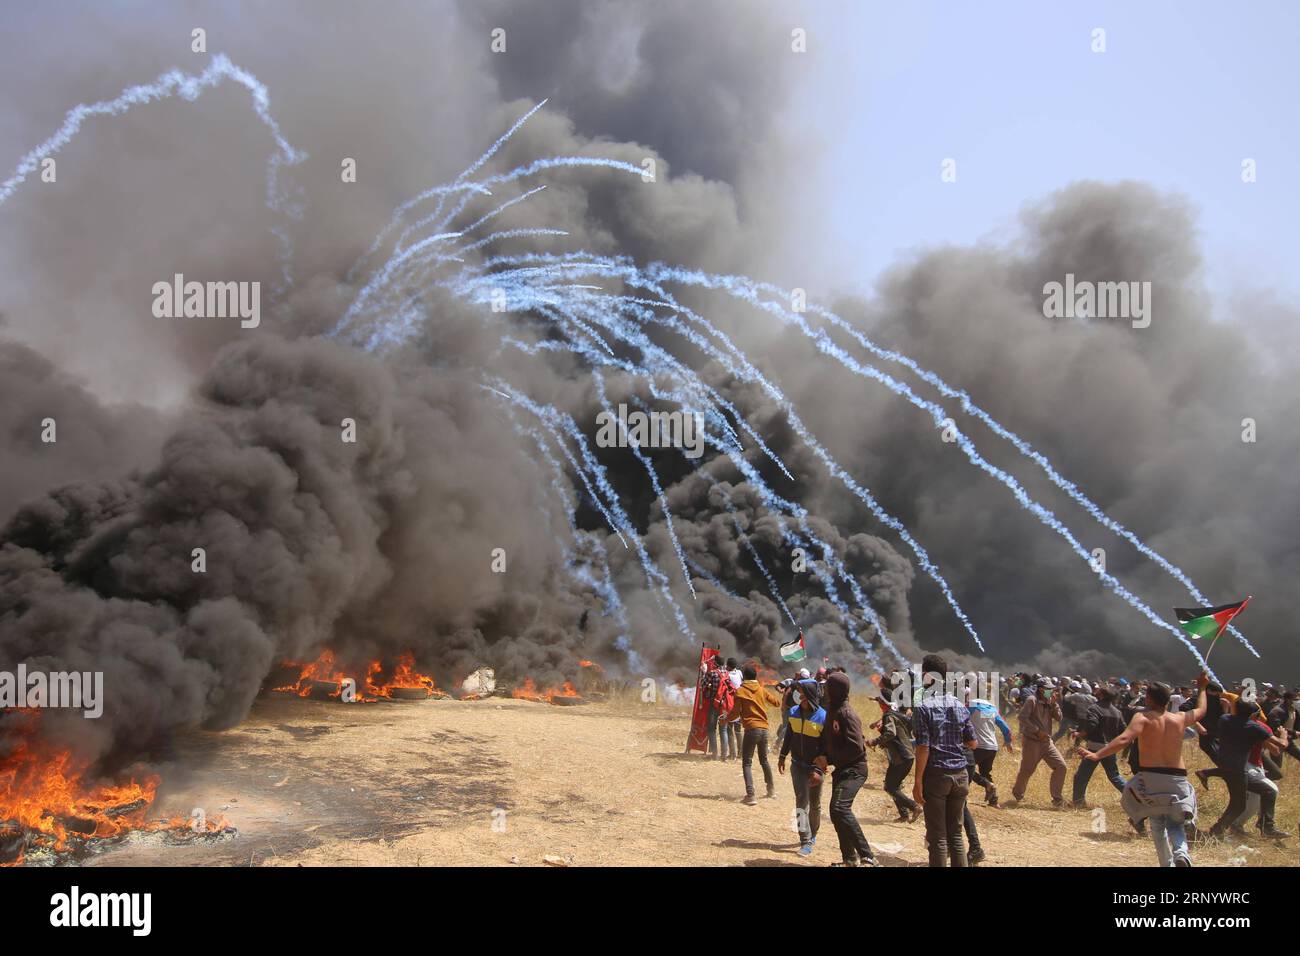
(177, 433)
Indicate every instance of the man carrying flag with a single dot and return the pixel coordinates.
(1160, 791)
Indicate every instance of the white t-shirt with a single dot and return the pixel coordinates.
(736, 678)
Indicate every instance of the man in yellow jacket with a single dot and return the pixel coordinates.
(752, 701)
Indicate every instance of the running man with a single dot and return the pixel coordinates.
(1160, 791)
(1036, 716)
(986, 720)
(805, 744)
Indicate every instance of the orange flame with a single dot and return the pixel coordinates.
(404, 676)
(324, 670)
(529, 691)
(43, 791)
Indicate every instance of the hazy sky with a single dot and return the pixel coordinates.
(1014, 93)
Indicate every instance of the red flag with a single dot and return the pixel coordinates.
(699, 738)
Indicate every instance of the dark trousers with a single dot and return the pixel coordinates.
(807, 802)
(945, 802)
(982, 770)
(845, 784)
(894, 777)
(1084, 774)
(1239, 785)
(1209, 746)
(968, 824)
(755, 741)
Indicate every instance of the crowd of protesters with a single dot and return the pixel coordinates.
(948, 741)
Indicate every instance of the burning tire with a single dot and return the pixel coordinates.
(322, 689)
(409, 693)
(562, 701)
(13, 841)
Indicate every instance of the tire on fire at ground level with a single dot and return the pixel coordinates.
(409, 693)
(567, 701)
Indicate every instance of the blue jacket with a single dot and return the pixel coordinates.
(804, 739)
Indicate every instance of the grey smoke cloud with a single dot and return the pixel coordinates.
(381, 547)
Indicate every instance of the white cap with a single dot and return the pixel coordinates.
(803, 673)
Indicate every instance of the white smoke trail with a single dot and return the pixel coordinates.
(968, 405)
(188, 87)
(544, 267)
(654, 478)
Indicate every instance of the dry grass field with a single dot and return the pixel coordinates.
(511, 782)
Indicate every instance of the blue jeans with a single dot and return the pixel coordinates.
(1084, 774)
(714, 714)
(1169, 834)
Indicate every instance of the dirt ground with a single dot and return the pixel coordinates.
(511, 782)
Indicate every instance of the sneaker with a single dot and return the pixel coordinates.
(975, 856)
(770, 795)
(806, 849)
(904, 817)
(749, 800)
(870, 861)
(916, 814)
(991, 796)
(1273, 833)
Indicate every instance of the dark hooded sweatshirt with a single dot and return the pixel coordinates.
(845, 745)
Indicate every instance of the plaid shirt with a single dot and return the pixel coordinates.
(942, 723)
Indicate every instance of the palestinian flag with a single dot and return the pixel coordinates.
(794, 651)
(1208, 622)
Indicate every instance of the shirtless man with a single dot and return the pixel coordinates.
(1159, 791)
